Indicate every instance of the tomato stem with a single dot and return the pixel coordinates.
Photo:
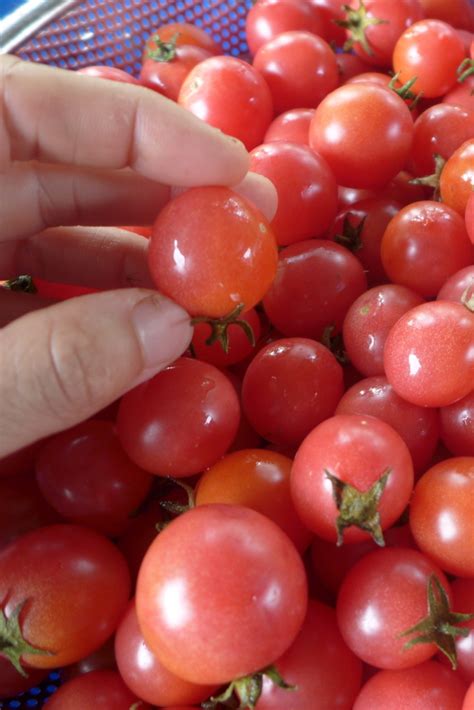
(439, 627)
(334, 342)
(351, 235)
(356, 24)
(465, 69)
(12, 644)
(433, 179)
(165, 51)
(23, 283)
(405, 92)
(358, 508)
(220, 327)
(247, 690)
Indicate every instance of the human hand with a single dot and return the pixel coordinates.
(78, 150)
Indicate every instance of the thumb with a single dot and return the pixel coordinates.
(61, 364)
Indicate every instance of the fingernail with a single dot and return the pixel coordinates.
(163, 329)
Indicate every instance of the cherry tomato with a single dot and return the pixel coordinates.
(258, 599)
(315, 284)
(307, 190)
(101, 660)
(470, 218)
(364, 132)
(329, 11)
(428, 356)
(111, 73)
(459, 286)
(457, 426)
(326, 670)
(211, 250)
(267, 19)
(231, 95)
(431, 51)
(441, 515)
(12, 683)
(458, 13)
(427, 233)
(350, 65)
(372, 616)
(239, 345)
(358, 451)
(462, 95)
(428, 685)
(374, 26)
(70, 587)
(299, 68)
(183, 33)
(290, 386)
(291, 126)
(22, 508)
(181, 421)
(360, 228)
(84, 474)
(166, 76)
(258, 479)
(457, 178)
(419, 427)
(143, 673)
(463, 602)
(441, 129)
(400, 190)
(468, 703)
(101, 690)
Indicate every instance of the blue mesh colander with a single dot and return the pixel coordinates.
(71, 34)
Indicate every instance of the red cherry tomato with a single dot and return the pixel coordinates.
(166, 76)
(470, 218)
(426, 685)
(307, 190)
(291, 126)
(441, 515)
(111, 73)
(468, 703)
(364, 132)
(458, 13)
(299, 68)
(457, 426)
(184, 33)
(427, 233)
(258, 479)
(143, 673)
(211, 250)
(298, 304)
(267, 19)
(239, 345)
(459, 286)
(63, 575)
(231, 95)
(259, 600)
(101, 690)
(329, 11)
(428, 356)
(181, 421)
(457, 178)
(350, 65)
(290, 386)
(463, 602)
(462, 95)
(325, 670)
(418, 426)
(356, 450)
(372, 616)
(431, 51)
(12, 683)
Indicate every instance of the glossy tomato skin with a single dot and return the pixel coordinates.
(183, 33)
(299, 68)
(211, 250)
(441, 518)
(428, 685)
(143, 673)
(181, 421)
(22, 508)
(427, 233)
(470, 218)
(47, 567)
(440, 129)
(319, 664)
(457, 178)
(290, 126)
(291, 386)
(468, 703)
(419, 427)
(431, 51)
(85, 475)
(231, 95)
(350, 65)
(307, 190)
(457, 426)
(258, 479)
(357, 450)
(329, 11)
(428, 356)
(364, 132)
(458, 13)
(240, 346)
(371, 615)
(259, 600)
(267, 19)
(369, 321)
(103, 690)
(166, 77)
(463, 602)
(315, 284)
(459, 285)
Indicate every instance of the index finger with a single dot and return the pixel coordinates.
(58, 116)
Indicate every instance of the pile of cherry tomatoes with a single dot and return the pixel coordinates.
(282, 519)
